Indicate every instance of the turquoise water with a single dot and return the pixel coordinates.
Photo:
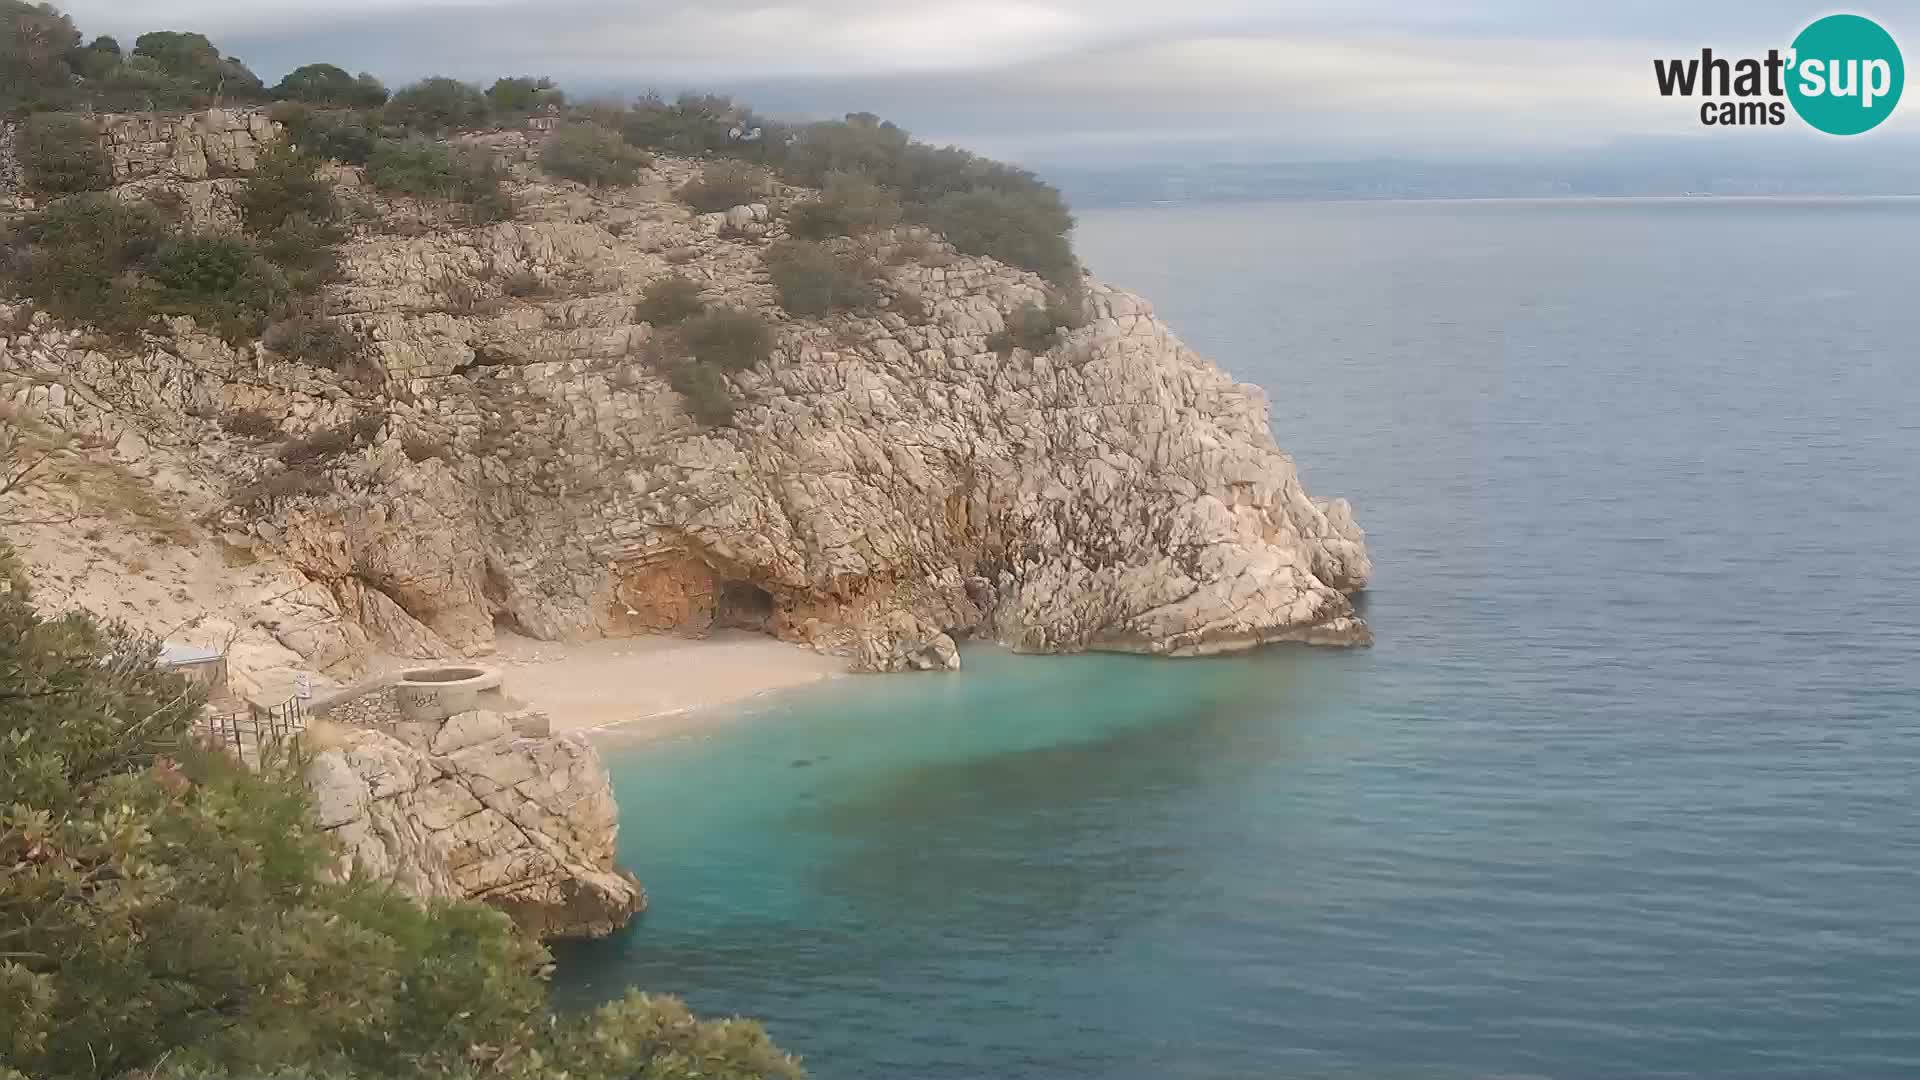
(1627, 787)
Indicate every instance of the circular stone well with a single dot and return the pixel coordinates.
(431, 694)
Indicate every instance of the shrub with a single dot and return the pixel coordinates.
(430, 170)
(1018, 229)
(75, 258)
(724, 185)
(330, 134)
(851, 204)
(318, 448)
(1029, 327)
(285, 184)
(669, 300)
(315, 339)
(420, 448)
(325, 84)
(814, 279)
(59, 155)
(709, 395)
(438, 105)
(251, 424)
(365, 428)
(524, 94)
(218, 280)
(261, 495)
(523, 284)
(592, 155)
(692, 124)
(730, 339)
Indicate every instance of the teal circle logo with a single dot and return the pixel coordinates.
(1846, 74)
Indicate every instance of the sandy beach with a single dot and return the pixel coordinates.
(653, 685)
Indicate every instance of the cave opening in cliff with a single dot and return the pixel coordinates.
(745, 606)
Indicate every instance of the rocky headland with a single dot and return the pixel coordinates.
(508, 452)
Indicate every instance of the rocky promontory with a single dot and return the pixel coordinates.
(890, 480)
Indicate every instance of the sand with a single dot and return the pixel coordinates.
(651, 686)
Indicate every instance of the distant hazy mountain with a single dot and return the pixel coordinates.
(1749, 166)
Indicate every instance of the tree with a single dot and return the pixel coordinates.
(437, 105)
(525, 94)
(165, 911)
(194, 60)
(35, 40)
(326, 84)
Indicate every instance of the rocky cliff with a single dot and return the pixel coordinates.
(889, 482)
(470, 810)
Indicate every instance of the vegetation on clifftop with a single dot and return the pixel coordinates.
(166, 913)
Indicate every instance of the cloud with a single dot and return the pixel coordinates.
(1320, 76)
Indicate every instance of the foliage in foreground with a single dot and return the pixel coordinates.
(165, 913)
(592, 155)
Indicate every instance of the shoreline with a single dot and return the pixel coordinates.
(653, 686)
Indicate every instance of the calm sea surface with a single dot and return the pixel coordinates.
(1630, 786)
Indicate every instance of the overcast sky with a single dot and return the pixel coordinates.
(1308, 78)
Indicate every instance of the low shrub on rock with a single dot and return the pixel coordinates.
(849, 205)
(59, 155)
(814, 278)
(1018, 228)
(1029, 326)
(316, 449)
(251, 424)
(724, 185)
(709, 396)
(343, 135)
(730, 339)
(220, 281)
(430, 170)
(592, 155)
(78, 260)
(670, 300)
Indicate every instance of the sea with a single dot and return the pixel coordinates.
(1629, 785)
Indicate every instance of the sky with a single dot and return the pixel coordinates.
(1299, 79)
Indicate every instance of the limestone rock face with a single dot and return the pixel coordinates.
(890, 482)
(473, 811)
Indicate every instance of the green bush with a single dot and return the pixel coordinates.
(77, 260)
(284, 183)
(197, 62)
(59, 155)
(430, 170)
(325, 84)
(730, 339)
(438, 105)
(1019, 229)
(851, 204)
(669, 300)
(218, 280)
(691, 125)
(709, 395)
(1029, 326)
(523, 95)
(592, 155)
(724, 185)
(312, 338)
(813, 278)
(330, 134)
